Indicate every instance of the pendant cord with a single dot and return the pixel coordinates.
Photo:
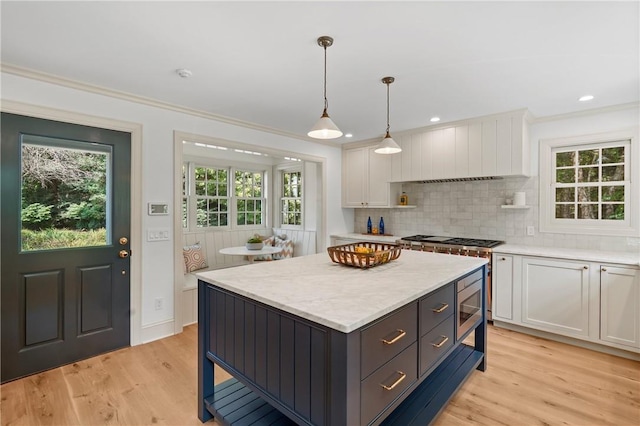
(387, 107)
(326, 103)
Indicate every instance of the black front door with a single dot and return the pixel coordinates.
(65, 228)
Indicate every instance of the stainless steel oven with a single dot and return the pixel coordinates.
(469, 300)
(458, 246)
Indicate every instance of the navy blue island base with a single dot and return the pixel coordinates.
(288, 370)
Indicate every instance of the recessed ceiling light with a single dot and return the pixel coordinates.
(435, 119)
(585, 98)
(348, 135)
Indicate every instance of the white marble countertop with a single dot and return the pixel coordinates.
(623, 258)
(367, 237)
(342, 297)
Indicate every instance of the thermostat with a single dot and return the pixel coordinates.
(157, 209)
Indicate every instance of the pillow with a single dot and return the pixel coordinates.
(266, 257)
(287, 248)
(193, 257)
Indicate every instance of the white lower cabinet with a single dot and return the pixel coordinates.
(502, 280)
(555, 295)
(620, 305)
(585, 300)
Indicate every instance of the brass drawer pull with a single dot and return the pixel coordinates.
(396, 383)
(395, 339)
(444, 340)
(441, 308)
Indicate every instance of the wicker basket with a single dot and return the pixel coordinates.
(346, 254)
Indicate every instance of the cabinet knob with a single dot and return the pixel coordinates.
(503, 258)
(604, 269)
(585, 267)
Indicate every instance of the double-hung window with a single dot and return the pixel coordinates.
(249, 194)
(586, 187)
(291, 198)
(222, 197)
(211, 191)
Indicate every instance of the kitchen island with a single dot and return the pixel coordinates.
(327, 344)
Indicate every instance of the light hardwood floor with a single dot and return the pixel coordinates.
(529, 381)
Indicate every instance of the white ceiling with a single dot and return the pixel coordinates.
(259, 61)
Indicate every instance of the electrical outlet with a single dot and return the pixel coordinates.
(158, 303)
(531, 230)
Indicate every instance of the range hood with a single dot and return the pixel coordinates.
(468, 179)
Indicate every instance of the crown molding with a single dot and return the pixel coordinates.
(91, 88)
(586, 112)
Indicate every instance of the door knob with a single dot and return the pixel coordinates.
(123, 254)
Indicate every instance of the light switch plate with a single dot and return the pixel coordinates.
(158, 234)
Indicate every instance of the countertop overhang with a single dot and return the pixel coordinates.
(341, 297)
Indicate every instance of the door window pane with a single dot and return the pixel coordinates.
(64, 194)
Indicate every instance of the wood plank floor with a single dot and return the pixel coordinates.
(529, 381)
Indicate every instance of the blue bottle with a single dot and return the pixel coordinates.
(381, 226)
(369, 225)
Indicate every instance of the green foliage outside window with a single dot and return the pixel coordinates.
(580, 192)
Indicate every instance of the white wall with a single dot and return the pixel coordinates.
(472, 209)
(157, 170)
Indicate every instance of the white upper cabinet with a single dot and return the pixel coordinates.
(365, 178)
(490, 146)
(462, 151)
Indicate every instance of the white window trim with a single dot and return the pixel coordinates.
(548, 223)
(278, 197)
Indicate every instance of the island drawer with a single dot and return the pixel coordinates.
(387, 338)
(386, 384)
(436, 307)
(436, 343)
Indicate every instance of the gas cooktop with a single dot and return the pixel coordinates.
(469, 242)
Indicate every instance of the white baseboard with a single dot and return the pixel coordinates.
(158, 330)
(629, 354)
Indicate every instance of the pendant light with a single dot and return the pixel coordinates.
(388, 145)
(325, 128)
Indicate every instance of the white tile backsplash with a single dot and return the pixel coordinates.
(473, 210)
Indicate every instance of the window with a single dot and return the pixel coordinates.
(185, 192)
(249, 197)
(291, 198)
(590, 183)
(211, 189)
(586, 187)
(222, 197)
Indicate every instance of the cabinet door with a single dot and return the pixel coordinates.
(405, 155)
(475, 149)
(555, 296)
(462, 151)
(354, 172)
(379, 175)
(502, 283)
(426, 157)
(489, 148)
(503, 146)
(448, 152)
(416, 156)
(620, 305)
(437, 151)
